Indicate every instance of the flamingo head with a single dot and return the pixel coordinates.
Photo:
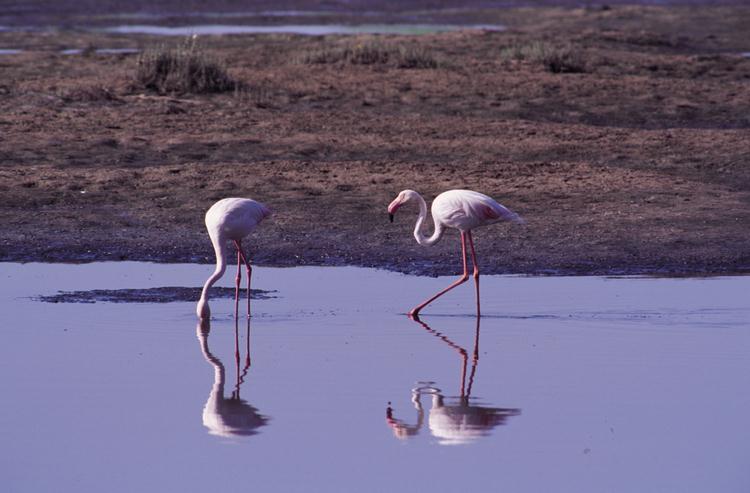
(202, 310)
(402, 198)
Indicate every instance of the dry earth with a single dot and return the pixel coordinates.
(637, 164)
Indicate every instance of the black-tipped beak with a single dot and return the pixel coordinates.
(390, 216)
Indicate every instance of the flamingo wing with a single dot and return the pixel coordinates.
(235, 218)
(466, 209)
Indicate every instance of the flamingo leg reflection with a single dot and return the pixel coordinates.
(476, 269)
(414, 313)
(241, 375)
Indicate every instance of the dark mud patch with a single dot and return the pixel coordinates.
(168, 294)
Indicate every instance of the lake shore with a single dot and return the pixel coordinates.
(631, 159)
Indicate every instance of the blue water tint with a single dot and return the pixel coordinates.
(102, 51)
(570, 384)
(310, 30)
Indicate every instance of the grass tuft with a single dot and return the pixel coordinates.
(184, 68)
(555, 59)
(372, 53)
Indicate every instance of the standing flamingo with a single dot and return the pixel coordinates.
(463, 210)
(230, 219)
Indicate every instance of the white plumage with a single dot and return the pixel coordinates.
(463, 210)
(227, 220)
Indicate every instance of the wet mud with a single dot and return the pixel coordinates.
(151, 295)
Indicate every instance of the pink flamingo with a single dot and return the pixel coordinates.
(230, 219)
(463, 210)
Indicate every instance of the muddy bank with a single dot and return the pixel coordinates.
(167, 294)
(635, 162)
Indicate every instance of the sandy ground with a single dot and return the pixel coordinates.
(639, 164)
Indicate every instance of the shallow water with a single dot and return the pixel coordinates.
(102, 51)
(310, 30)
(581, 384)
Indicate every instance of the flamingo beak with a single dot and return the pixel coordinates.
(392, 208)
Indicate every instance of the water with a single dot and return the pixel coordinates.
(581, 384)
(310, 30)
(78, 51)
(102, 51)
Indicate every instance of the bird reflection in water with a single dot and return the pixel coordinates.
(453, 420)
(228, 416)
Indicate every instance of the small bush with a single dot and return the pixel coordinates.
(562, 59)
(181, 69)
(372, 53)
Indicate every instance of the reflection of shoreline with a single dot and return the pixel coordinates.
(228, 416)
(453, 420)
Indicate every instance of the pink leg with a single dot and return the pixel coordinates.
(476, 269)
(415, 311)
(237, 346)
(248, 268)
(238, 279)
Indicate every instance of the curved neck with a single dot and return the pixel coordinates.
(219, 372)
(422, 239)
(221, 266)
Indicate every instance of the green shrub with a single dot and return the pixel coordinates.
(181, 69)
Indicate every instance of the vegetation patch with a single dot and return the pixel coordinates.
(184, 68)
(555, 59)
(373, 53)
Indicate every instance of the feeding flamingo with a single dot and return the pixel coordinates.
(230, 220)
(463, 210)
(453, 420)
(228, 416)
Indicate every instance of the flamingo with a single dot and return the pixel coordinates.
(452, 420)
(228, 416)
(463, 210)
(230, 219)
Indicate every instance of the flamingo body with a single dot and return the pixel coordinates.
(230, 219)
(234, 219)
(463, 210)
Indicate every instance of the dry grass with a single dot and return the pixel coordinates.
(555, 59)
(373, 53)
(184, 68)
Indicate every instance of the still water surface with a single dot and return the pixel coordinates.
(569, 384)
(304, 29)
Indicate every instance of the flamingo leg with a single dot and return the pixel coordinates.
(241, 256)
(235, 394)
(414, 313)
(476, 268)
(238, 279)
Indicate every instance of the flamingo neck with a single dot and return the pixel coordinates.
(217, 391)
(221, 266)
(421, 238)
